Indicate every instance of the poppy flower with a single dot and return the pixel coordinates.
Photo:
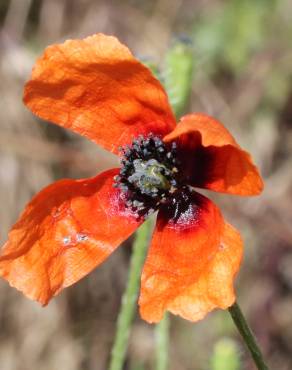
(96, 88)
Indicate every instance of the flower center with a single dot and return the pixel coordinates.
(148, 175)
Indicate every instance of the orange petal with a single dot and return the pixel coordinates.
(179, 255)
(214, 288)
(212, 159)
(67, 230)
(96, 88)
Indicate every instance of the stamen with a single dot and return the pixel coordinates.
(149, 174)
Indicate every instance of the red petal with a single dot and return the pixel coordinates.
(96, 88)
(67, 230)
(214, 288)
(212, 159)
(180, 254)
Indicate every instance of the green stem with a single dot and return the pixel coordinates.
(129, 299)
(162, 343)
(247, 336)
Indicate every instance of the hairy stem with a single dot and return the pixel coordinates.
(129, 299)
(162, 343)
(247, 336)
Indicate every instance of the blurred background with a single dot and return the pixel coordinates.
(242, 59)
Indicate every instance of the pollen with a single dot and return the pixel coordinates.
(149, 174)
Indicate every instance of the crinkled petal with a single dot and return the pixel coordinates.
(214, 288)
(96, 88)
(184, 243)
(66, 230)
(212, 159)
